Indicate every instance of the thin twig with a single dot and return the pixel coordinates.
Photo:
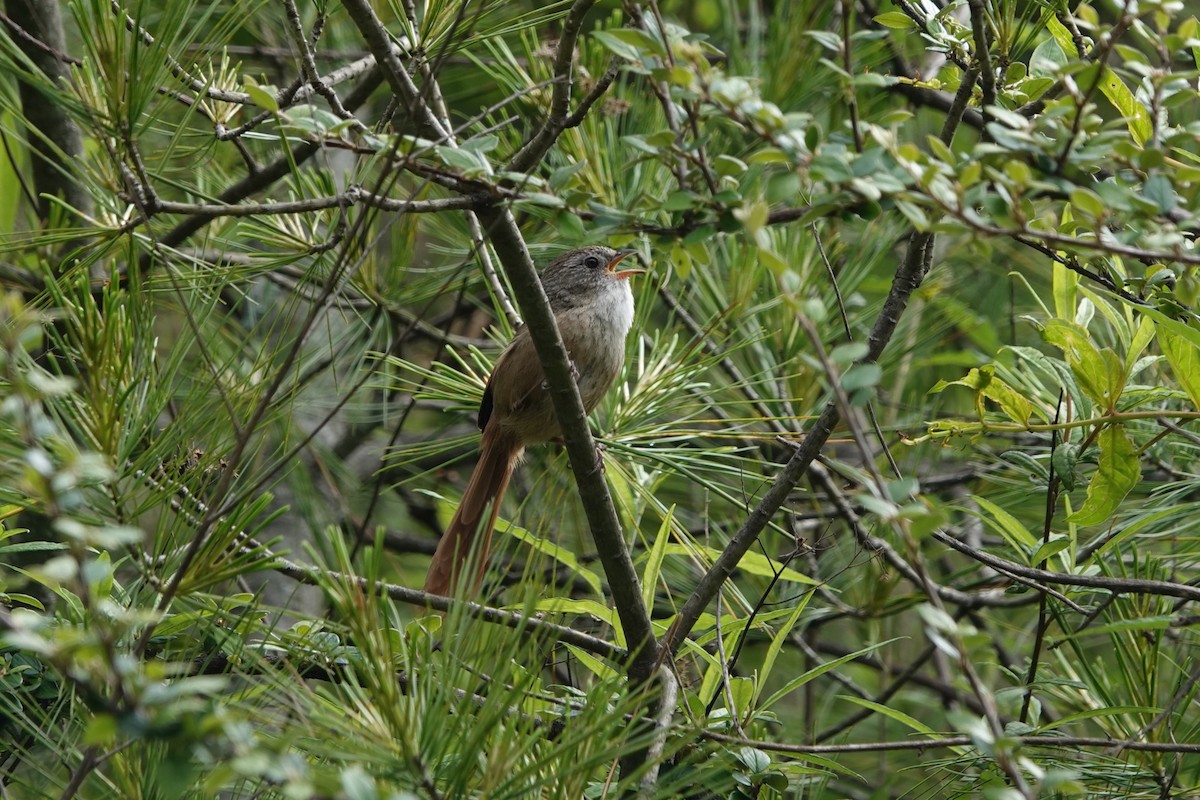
(1135, 586)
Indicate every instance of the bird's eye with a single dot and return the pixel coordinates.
(592, 262)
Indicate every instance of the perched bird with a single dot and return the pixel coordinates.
(593, 307)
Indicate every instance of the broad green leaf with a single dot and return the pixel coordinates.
(1101, 375)
(1118, 473)
(754, 759)
(1137, 118)
(1158, 190)
(897, 20)
(1004, 523)
(1087, 201)
(1157, 622)
(1064, 460)
(1184, 358)
(1141, 339)
(563, 605)
(891, 713)
(1048, 57)
(593, 664)
(986, 385)
(263, 96)
(743, 691)
(730, 637)
(1097, 713)
(630, 44)
(1133, 528)
(468, 161)
(1054, 546)
(1173, 325)
(1062, 36)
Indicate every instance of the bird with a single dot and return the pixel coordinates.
(592, 303)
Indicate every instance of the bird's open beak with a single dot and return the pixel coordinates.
(624, 273)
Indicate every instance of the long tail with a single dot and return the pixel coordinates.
(475, 517)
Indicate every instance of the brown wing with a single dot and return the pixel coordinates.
(516, 382)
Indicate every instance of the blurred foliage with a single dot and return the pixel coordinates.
(253, 365)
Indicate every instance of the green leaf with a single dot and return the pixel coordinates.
(1100, 374)
(896, 20)
(780, 638)
(1048, 57)
(1158, 622)
(1141, 340)
(816, 672)
(890, 713)
(752, 563)
(1056, 545)
(754, 759)
(262, 96)
(1063, 36)
(1159, 190)
(861, 376)
(743, 692)
(466, 160)
(1137, 118)
(1089, 202)
(1184, 358)
(630, 44)
(1004, 523)
(540, 199)
(593, 664)
(592, 608)
(562, 176)
(680, 201)
(1099, 713)
(560, 554)
(753, 215)
(986, 385)
(1064, 459)
(1118, 473)
(654, 560)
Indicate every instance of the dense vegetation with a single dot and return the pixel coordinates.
(900, 478)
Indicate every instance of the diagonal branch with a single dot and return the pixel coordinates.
(908, 277)
(531, 152)
(1102, 582)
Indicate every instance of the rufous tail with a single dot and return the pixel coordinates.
(475, 517)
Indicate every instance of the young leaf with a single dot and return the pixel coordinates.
(1119, 472)
(1101, 375)
(1184, 358)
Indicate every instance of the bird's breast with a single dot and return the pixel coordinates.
(594, 335)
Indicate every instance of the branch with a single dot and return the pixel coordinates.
(1115, 585)
(379, 42)
(953, 741)
(983, 60)
(312, 577)
(531, 153)
(352, 196)
(260, 180)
